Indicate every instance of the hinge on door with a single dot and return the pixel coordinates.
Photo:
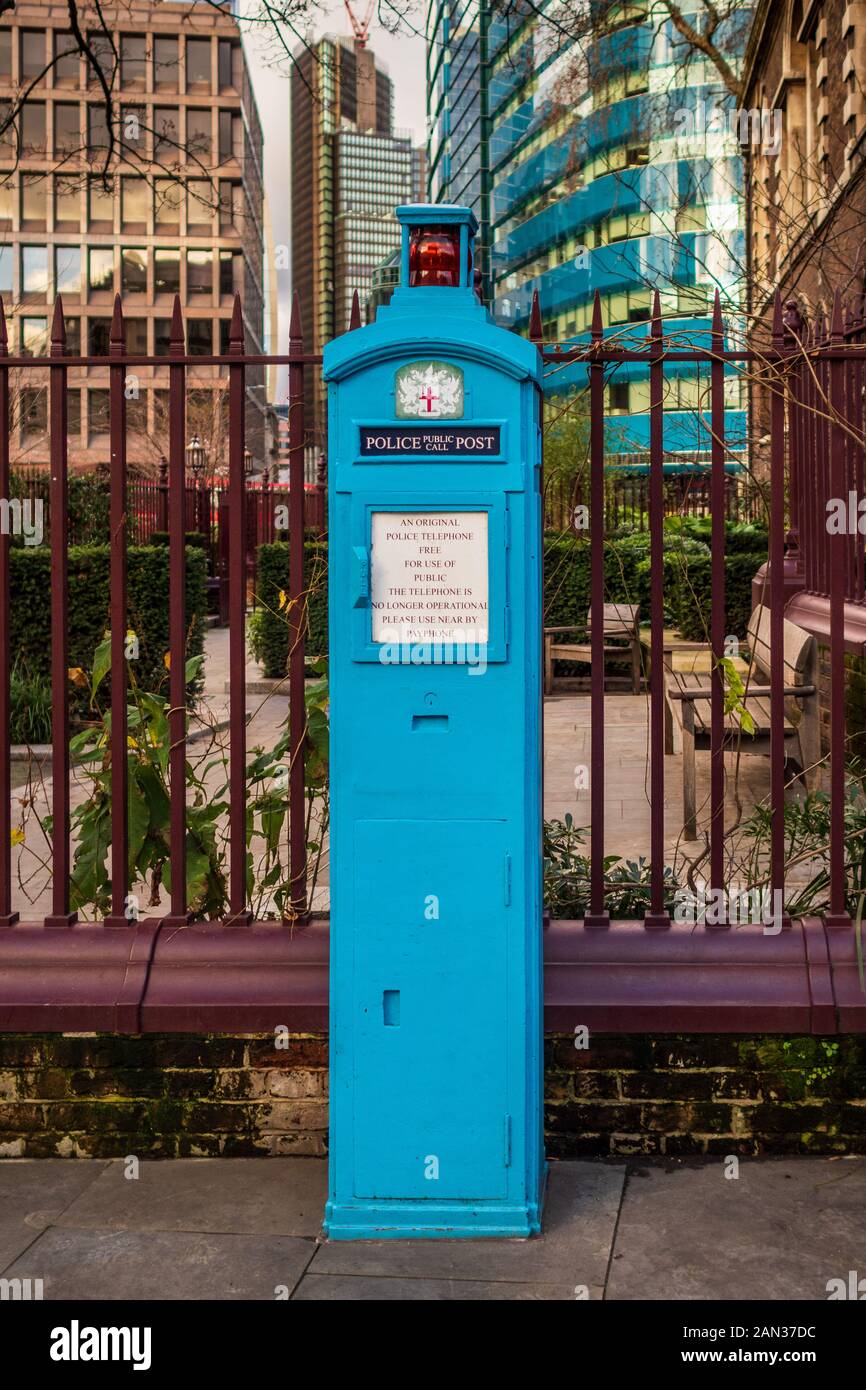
(508, 1141)
(506, 881)
(507, 527)
(507, 625)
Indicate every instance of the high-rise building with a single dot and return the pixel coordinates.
(612, 167)
(349, 172)
(158, 194)
(458, 162)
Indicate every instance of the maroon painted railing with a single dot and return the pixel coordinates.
(173, 504)
(815, 385)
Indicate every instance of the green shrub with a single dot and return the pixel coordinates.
(89, 612)
(269, 634)
(29, 706)
(688, 589)
(194, 538)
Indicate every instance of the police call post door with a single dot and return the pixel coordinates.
(435, 613)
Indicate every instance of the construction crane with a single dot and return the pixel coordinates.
(361, 28)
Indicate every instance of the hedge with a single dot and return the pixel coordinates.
(271, 628)
(627, 574)
(89, 599)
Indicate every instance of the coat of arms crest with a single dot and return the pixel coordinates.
(429, 390)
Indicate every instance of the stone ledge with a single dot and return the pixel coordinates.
(212, 978)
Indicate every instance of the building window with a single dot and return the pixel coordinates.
(161, 337)
(231, 270)
(33, 405)
(618, 398)
(101, 197)
(34, 337)
(73, 416)
(33, 200)
(97, 412)
(99, 337)
(165, 64)
(5, 52)
(231, 136)
(104, 56)
(133, 129)
(136, 336)
(166, 135)
(225, 334)
(166, 203)
(67, 128)
(231, 206)
(229, 63)
(199, 211)
(97, 130)
(199, 337)
(6, 269)
(134, 200)
(199, 136)
(133, 62)
(7, 190)
(67, 271)
(198, 73)
(72, 329)
(32, 53)
(166, 271)
(67, 203)
(66, 60)
(33, 127)
(133, 270)
(100, 269)
(199, 272)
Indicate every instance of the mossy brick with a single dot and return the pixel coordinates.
(197, 1083)
(576, 1116)
(145, 1146)
(291, 1115)
(199, 1145)
(683, 1145)
(166, 1114)
(212, 1051)
(302, 1084)
(16, 1085)
(738, 1145)
(667, 1085)
(789, 1144)
(235, 1083)
(789, 1117)
(213, 1117)
(126, 1084)
(96, 1116)
(243, 1146)
(102, 1050)
(735, 1085)
(703, 1052)
(21, 1050)
(303, 1050)
(596, 1085)
(699, 1117)
(49, 1083)
(567, 1145)
(298, 1145)
(628, 1145)
(21, 1117)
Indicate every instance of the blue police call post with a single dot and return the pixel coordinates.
(435, 639)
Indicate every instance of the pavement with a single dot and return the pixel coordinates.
(250, 1229)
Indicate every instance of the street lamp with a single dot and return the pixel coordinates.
(195, 457)
(248, 461)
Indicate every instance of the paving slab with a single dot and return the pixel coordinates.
(338, 1288)
(579, 1222)
(34, 1194)
(76, 1264)
(780, 1230)
(247, 1196)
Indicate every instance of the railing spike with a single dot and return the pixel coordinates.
(355, 316)
(58, 328)
(115, 337)
(295, 329)
(536, 330)
(236, 328)
(176, 337)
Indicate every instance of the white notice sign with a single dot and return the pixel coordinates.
(429, 578)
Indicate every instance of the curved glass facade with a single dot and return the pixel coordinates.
(612, 167)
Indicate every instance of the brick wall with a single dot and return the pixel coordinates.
(164, 1096)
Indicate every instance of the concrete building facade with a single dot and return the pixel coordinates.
(143, 177)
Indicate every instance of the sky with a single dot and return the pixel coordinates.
(404, 57)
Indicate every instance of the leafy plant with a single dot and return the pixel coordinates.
(29, 705)
(567, 876)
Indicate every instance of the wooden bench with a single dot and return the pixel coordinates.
(621, 639)
(688, 708)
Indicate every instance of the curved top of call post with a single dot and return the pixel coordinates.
(434, 318)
